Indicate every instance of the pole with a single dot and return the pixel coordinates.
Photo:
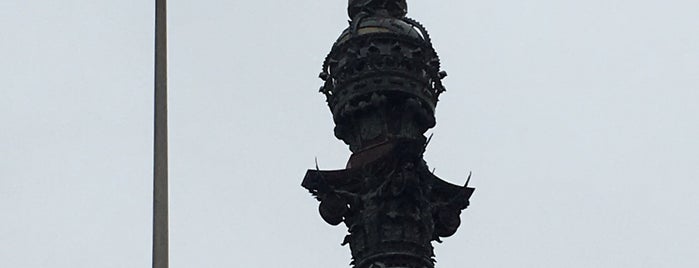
(160, 167)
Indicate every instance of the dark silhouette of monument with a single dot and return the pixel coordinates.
(382, 82)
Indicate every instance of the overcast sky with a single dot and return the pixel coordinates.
(579, 120)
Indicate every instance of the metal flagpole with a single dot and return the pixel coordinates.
(160, 167)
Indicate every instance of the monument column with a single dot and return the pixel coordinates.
(382, 80)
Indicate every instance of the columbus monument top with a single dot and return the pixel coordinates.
(382, 81)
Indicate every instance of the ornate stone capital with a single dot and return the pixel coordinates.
(382, 81)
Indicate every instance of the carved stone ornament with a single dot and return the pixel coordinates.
(382, 80)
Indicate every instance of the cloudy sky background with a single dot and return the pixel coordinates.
(579, 120)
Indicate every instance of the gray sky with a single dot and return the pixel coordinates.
(579, 120)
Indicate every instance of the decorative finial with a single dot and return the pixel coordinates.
(390, 8)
